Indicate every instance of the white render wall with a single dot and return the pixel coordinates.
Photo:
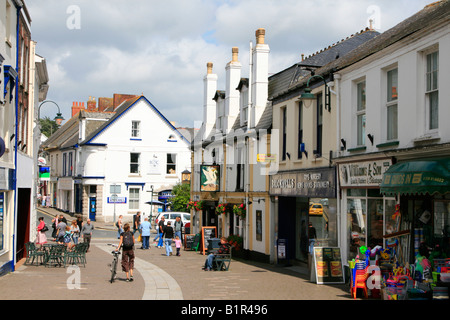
(411, 85)
(113, 160)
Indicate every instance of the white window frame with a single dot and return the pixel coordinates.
(391, 101)
(174, 163)
(430, 90)
(135, 163)
(133, 200)
(135, 129)
(360, 112)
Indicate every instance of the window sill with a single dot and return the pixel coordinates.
(362, 148)
(427, 137)
(135, 139)
(388, 144)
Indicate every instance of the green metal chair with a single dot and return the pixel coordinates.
(33, 253)
(57, 256)
(78, 254)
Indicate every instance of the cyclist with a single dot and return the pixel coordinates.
(127, 241)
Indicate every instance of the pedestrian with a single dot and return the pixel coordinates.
(136, 222)
(47, 201)
(224, 248)
(161, 226)
(75, 231)
(43, 200)
(145, 226)
(41, 237)
(54, 226)
(80, 221)
(178, 245)
(86, 232)
(168, 237)
(61, 231)
(119, 225)
(127, 241)
(178, 226)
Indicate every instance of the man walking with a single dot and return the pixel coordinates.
(177, 227)
(145, 233)
(161, 225)
(86, 232)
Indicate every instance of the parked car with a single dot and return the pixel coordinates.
(316, 209)
(172, 215)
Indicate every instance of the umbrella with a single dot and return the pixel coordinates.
(156, 202)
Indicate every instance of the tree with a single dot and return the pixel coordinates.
(48, 126)
(181, 194)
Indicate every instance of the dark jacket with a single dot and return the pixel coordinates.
(168, 232)
(224, 248)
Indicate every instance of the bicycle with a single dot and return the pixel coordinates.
(113, 264)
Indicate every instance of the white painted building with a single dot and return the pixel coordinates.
(138, 150)
(394, 109)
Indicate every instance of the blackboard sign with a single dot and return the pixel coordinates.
(207, 233)
(328, 267)
(189, 241)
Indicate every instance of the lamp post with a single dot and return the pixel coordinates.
(307, 97)
(59, 118)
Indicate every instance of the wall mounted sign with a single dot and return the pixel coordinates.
(319, 182)
(209, 178)
(363, 174)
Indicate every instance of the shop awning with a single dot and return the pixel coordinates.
(417, 177)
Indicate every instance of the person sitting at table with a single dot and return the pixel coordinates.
(224, 248)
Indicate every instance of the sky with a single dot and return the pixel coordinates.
(160, 48)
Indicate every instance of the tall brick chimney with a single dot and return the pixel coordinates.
(91, 104)
(77, 107)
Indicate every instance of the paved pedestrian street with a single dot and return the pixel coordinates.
(158, 277)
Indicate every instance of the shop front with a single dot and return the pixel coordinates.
(366, 213)
(307, 210)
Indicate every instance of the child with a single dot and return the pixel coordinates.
(178, 245)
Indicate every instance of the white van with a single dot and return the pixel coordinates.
(171, 216)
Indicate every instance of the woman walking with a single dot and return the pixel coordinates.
(168, 236)
(75, 231)
(41, 237)
(127, 241)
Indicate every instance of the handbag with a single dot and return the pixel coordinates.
(45, 228)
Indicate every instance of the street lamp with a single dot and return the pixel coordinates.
(59, 118)
(307, 97)
(186, 176)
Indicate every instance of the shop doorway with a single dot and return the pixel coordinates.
(23, 221)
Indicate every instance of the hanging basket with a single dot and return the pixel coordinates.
(240, 210)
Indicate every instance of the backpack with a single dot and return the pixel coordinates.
(127, 239)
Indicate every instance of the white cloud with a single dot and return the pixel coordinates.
(160, 48)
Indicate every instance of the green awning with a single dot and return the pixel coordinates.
(417, 177)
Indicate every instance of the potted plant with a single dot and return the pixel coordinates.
(222, 208)
(240, 210)
(196, 205)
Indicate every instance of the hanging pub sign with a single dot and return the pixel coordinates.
(209, 178)
(319, 182)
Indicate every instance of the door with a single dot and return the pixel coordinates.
(92, 208)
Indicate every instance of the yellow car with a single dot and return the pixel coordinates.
(316, 209)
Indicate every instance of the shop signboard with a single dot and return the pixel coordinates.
(207, 233)
(363, 174)
(44, 173)
(328, 267)
(319, 182)
(189, 241)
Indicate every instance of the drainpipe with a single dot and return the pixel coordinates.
(18, 5)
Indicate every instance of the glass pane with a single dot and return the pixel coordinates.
(361, 102)
(356, 226)
(356, 192)
(392, 83)
(361, 130)
(375, 223)
(441, 220)
(392, 119)
(392, 219)
(434, 110)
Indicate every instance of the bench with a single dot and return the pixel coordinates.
(222, 261)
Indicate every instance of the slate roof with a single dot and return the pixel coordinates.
(285, 81)
(433, 14)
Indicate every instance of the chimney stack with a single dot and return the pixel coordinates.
(260, 77)
(209, 105)
(91, 104)
(77, 107)
(232, 95)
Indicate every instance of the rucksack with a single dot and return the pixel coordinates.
(127, 239)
